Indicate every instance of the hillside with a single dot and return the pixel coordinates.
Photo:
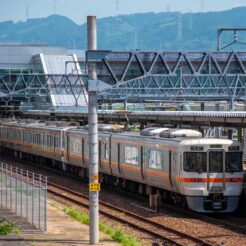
(147, 31)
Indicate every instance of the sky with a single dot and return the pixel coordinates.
(77, 10)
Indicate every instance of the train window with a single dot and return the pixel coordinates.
(51, 141)
(106, 151)
(28, 137)
(5, 133)
(154, 159)
(37, 138)
(18, 135)
(63, 141)
(86, 148)
(131, 155)
(234, 162)
(48, 140)
(215, 162)
(11, 134)
(75, 145)
(57, 141)
(195, 162)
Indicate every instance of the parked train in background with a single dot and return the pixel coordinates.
(203, 173)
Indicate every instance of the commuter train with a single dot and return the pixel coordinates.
(204, 174)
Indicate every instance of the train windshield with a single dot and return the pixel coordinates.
(215, 162)
(233, 161)
(195, 162)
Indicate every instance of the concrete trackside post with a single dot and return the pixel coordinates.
(93, 137)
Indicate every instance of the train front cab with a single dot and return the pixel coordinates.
(212, 177)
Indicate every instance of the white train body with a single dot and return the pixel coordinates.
(207, 173)
(217, 186)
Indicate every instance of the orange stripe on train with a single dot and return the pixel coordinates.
(210, 180)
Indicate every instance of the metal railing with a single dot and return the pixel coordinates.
(25, 194)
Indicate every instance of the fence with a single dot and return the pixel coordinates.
(24, 193)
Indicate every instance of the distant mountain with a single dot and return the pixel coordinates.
(147, 31)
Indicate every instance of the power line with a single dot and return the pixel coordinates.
(117, 6)
(202, 6)
(168, 8)
(55, 7)
(179, 26)
(27, 12)
(190, 23)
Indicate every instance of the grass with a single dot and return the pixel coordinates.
(117, 234)
(6, 227)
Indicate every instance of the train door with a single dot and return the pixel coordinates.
(83, 151)
(100, 154)
(53, 144)
(105, 155)
(179, 170)
(173, 169)
(67, 147)
(110, 154)
(216, 170)
(41, 143)
(45, 143)
(170, 168)
(119, 158)
(34, 143)
(58, 146)
(143, 163)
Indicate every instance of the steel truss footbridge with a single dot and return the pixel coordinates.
(141, 76)
(166, 75)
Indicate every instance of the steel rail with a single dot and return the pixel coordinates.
(178, 235)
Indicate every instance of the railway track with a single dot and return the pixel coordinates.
(227, 221)
(230, 222)
(146, 225)
(155, 228)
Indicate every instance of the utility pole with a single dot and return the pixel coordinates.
(27, 12)
(55, 7)
(94, 185)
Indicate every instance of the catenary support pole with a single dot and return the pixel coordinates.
(93, 136)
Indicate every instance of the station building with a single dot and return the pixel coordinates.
(19, 61)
